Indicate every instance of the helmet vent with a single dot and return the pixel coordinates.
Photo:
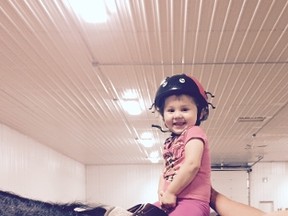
(251, 119)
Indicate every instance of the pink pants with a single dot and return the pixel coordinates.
(189, 207)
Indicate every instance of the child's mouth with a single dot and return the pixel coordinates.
(179, 124)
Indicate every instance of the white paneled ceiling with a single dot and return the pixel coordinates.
(62, 79)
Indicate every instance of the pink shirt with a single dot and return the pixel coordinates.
(174, 148)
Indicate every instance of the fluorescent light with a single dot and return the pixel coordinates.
(146, 139)
(154, 160)
(147, 142)
(130, 94)
(154, 157)
(131, 106)
(154, 154)
(93, 11)
(131, 102)
(146, 135)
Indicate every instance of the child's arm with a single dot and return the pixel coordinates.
(279, 213)
(160, 186)
(227, 207)
(187, 172)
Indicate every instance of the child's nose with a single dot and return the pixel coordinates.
(178, 114)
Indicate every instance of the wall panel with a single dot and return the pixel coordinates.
(232, 184)
(123, 185)
(269, 183)
(31, 169)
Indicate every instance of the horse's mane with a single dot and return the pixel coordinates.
(13, 205)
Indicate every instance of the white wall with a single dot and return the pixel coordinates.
(31, 169)
(123, 185)
(269, 183)
(232, 184)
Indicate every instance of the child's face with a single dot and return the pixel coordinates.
(180, 112)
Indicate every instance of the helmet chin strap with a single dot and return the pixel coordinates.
(152, 106)
(160, 128)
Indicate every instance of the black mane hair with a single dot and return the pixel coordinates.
(14, 205)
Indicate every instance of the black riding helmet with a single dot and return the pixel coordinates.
(183, 84)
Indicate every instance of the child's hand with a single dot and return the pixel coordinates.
(168, 201)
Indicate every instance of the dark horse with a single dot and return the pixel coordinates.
(14, 205)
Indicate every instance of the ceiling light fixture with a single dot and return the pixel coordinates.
(147, 140)
(131, 106)
(131, 102)
(154, 157)
(147, 143)
(154, 160)
(93, 11)
(130, 94)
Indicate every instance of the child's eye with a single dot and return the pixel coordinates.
(185, 109)
(170, 110)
